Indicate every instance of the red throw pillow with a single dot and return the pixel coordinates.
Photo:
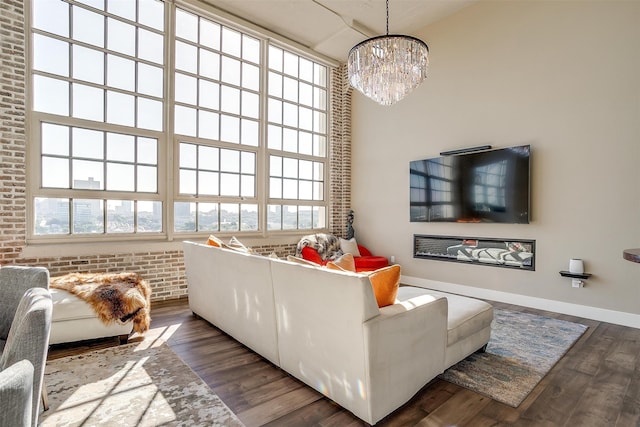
(368, 263)
(311, 254)
(364, 251)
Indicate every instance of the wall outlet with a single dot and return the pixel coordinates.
(577, 283)
(393, 259)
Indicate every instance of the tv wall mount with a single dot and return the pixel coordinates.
(465, 150)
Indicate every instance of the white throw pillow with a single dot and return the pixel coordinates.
(301, 261)
(237, 245)
(349, 246)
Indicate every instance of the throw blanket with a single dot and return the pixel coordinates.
(113, 296)
(327, 245)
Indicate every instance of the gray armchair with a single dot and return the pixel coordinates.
(25, 322)
(16, 394)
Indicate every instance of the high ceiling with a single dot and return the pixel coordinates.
(332, 27)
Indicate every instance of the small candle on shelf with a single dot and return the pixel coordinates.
(576, 266)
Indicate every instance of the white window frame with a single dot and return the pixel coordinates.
(168, 142)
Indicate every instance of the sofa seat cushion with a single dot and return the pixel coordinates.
(75, 320)
(466, 315)
(67, 306)
(368, 263)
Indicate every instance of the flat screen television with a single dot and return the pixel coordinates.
(482, 186)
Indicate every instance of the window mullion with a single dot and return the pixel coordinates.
(263, 157)
(171, 142)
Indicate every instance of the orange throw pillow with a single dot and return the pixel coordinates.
(214, 241)
(385, 282)
(345, 262)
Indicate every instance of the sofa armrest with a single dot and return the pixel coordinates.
(14, 282)
(16, 391)
(405, 345)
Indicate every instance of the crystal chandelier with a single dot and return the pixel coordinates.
(387, 68)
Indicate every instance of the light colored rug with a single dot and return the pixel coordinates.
(130, 385)
(522, 350)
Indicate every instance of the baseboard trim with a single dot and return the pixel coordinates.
(588, 312)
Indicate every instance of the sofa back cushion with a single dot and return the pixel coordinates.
(233, 291)
(320, 314)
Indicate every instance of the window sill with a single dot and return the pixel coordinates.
(74, 249)
(98, 248)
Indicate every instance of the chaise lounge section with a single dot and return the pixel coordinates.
(325, 328)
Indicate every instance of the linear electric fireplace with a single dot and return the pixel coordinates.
(510, 253)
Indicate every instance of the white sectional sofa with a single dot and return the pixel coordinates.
(325, 328)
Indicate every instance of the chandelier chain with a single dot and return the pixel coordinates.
(387, 17)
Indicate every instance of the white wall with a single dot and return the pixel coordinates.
(561, 76)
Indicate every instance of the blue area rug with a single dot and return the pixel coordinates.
(522, 350)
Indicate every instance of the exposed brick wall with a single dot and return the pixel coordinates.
(163, 270)
(280, 250)
(12, 130)
(340, 151)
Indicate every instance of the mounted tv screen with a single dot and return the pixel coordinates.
(483, 186)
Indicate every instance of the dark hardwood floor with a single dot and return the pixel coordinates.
(597, 383)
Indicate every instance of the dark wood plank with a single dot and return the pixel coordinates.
(343, 418)
(244, 400)
(278, 407)
(459, 410)
(244, 377)
(554, 406)
(630, 414)
(602, 401)
(315, 414)
(590, 355)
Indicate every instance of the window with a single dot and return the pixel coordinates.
(143, 127)
(217, 122)
(297, 141)
(75, 158)
(98, 100)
